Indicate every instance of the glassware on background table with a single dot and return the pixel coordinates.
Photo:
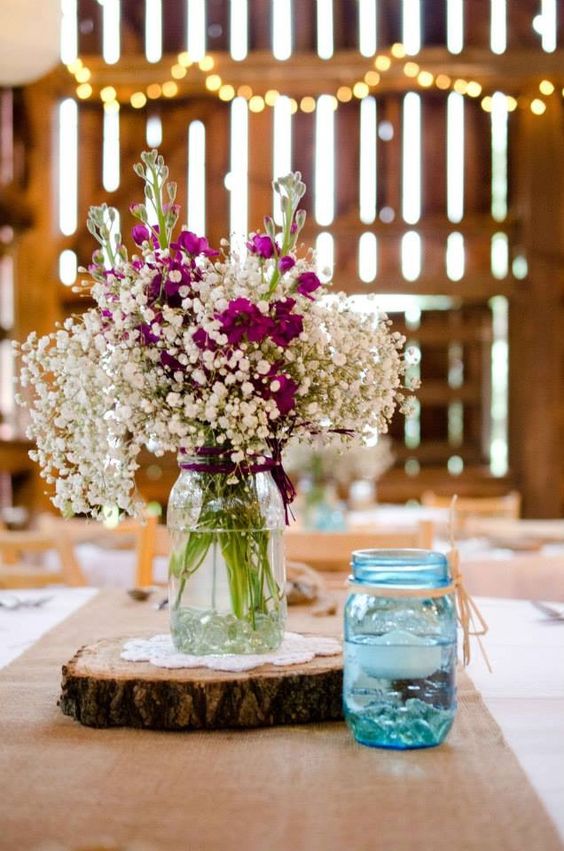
(400, 649)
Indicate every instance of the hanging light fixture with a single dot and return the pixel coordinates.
(29, 40)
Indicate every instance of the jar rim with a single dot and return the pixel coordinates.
(408, 568)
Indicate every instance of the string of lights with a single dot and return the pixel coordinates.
(358, 89)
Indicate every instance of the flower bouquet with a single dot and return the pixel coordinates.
(221, 356)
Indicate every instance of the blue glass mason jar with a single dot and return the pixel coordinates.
(399, 686)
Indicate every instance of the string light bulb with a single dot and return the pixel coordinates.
(307, 104)
(226, 92)
(360, 90)
(545, 87)
(443, 81)
(372, 78)
(206, 64)
(83, 75)
(382, 63)
(256, 103)
(138, 100)
(425, 79)
(84, 91)
(538, 106)
(170, 89)
(411, 69)
(473, 89)
(178, 71)
(213, 83)
(460, 86)
(108, 93)
(344, 94)
(154, 91)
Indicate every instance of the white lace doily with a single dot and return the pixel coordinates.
(294, 650)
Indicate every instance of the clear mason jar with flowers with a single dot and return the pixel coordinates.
(222, 355)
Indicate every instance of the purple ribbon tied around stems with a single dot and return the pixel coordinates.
(217, 461)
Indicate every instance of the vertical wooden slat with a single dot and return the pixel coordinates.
(217, 158)
(89, 27)
(260, 168)
(260, 25)
(536, 315)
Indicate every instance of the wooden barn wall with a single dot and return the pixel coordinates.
(462, 333)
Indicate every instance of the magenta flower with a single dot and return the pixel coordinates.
(171, 363)
(203, 340)
(284, 392)
(194, 245)
(146, 333)
(286, 263)
(308, 282)
(286, 326)
(178, 276)
(155, 287)
(242, 319)
(261, 245)
(140, 234)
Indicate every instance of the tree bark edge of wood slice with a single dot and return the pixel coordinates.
(99, 689)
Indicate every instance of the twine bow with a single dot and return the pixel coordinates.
(469, 616)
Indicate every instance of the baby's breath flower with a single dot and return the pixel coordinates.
(184, 347)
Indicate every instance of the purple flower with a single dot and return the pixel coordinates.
(146, 333)
(286, 326)
(283, 390)
(286, 263)
(203, 340)
(154, 290)
(242, 319)
(171, 363)
(261, 245)
(140, 234)
(308, 282)
(194, 245)
(178, 276)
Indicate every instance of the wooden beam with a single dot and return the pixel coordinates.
(306, 74)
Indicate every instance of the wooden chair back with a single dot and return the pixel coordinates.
(154, 541)
(332, 550)
(507, 506)
(131, 534)
(16, 571)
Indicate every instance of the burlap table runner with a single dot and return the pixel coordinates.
(302, 788)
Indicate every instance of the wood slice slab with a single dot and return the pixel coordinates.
(100, 689)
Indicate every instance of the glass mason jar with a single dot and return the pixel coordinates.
(226, 569)
(400, 649)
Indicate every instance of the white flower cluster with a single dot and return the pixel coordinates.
(184, 349)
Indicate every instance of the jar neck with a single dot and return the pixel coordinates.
(215, 460)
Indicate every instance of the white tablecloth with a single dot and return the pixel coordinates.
(525, 692)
